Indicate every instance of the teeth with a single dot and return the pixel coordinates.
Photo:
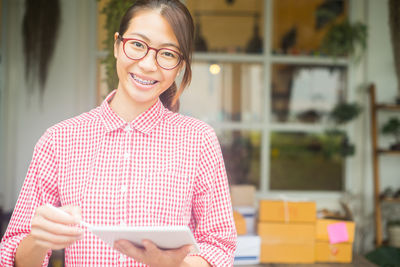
(145, 82)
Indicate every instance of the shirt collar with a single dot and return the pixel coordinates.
(144, 123)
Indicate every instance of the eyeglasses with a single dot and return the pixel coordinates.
(136, 49)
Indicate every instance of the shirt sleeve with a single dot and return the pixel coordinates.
(215, 230)
(39, 187)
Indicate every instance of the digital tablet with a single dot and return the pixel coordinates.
(165, 237)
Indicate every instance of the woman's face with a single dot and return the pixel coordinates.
(143, 81)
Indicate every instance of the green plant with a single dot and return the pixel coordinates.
(113, 10)
(393, 223)
(344, 112)
(341, 114)
(392, 127)
(345, 39)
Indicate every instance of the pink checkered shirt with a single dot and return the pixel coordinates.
(161, 169)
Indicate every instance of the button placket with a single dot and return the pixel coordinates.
(124, 180)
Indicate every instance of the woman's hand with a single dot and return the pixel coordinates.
(152, 255)
(52, 229)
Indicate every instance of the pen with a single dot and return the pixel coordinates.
(60, 211)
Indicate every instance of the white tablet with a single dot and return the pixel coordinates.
(165, 237)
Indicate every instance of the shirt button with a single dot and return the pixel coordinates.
(124, 188)
(122, 223)
(121, 258)
(128, 128)
(126, 155)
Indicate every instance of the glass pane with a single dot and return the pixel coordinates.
(241, 150)
(306, 93)
(224, 92)
(299, 26)
(228, 25)
(303, 161)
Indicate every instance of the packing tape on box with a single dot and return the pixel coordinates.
(285, 200)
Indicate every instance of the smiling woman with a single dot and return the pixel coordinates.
(132, 161)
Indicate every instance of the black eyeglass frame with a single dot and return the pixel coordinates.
(124, 40)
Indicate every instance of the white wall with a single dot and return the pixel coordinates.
(69, 90)
(378, 68)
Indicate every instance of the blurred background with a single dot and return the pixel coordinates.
(286, 84)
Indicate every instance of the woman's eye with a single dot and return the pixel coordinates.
(137, 44)
(168, 54)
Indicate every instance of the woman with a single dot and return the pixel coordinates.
(130, 161)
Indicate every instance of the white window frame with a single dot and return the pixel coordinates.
(266, 126)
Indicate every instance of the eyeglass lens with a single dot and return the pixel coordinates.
(166, 58)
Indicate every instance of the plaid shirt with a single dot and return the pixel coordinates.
(161, 169)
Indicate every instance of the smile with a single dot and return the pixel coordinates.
(142, 81)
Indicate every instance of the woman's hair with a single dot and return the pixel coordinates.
(181, 22)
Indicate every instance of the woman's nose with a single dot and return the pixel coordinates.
(149, 62)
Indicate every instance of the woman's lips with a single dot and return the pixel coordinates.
(142, 82)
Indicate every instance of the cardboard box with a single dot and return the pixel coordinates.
(243, 195)
(326, 252)
(287, 211)
(287, 253)
(249, 214)
(287, 242)
(322, 229)
(248, 250)
(240, 223)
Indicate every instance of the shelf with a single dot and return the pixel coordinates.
(393, 107)
(309, 60)
(391, 200)
(388, 152)
(260, 58)
(227, 57)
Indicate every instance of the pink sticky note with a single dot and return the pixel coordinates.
(338, 233)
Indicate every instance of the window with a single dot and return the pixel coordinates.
(269, 90)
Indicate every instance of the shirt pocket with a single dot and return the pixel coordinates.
(169, 196)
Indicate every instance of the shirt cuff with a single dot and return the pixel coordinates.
(214, 255)
(8, 249)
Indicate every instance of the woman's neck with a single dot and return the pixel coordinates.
(127, 109)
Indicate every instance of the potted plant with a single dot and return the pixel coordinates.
(341, 114)
(345, 39)
(392, 127)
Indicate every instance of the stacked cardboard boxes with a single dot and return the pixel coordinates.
(329, 250)
(248, 244)
(287, 231)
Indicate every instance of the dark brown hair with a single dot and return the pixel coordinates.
(181, 22)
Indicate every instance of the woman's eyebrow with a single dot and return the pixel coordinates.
(148, 40)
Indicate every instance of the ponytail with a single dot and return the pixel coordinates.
(168, 98)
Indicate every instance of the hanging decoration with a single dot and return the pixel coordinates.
(394, 22)
(39, 29)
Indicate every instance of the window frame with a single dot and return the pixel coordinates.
(267, 59)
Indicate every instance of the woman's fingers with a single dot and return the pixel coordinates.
(57, 239)
(51, 227)
(151, 254)
(55, 227)
(64, 215)
(127, 248)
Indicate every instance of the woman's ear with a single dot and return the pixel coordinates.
(116, 44)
